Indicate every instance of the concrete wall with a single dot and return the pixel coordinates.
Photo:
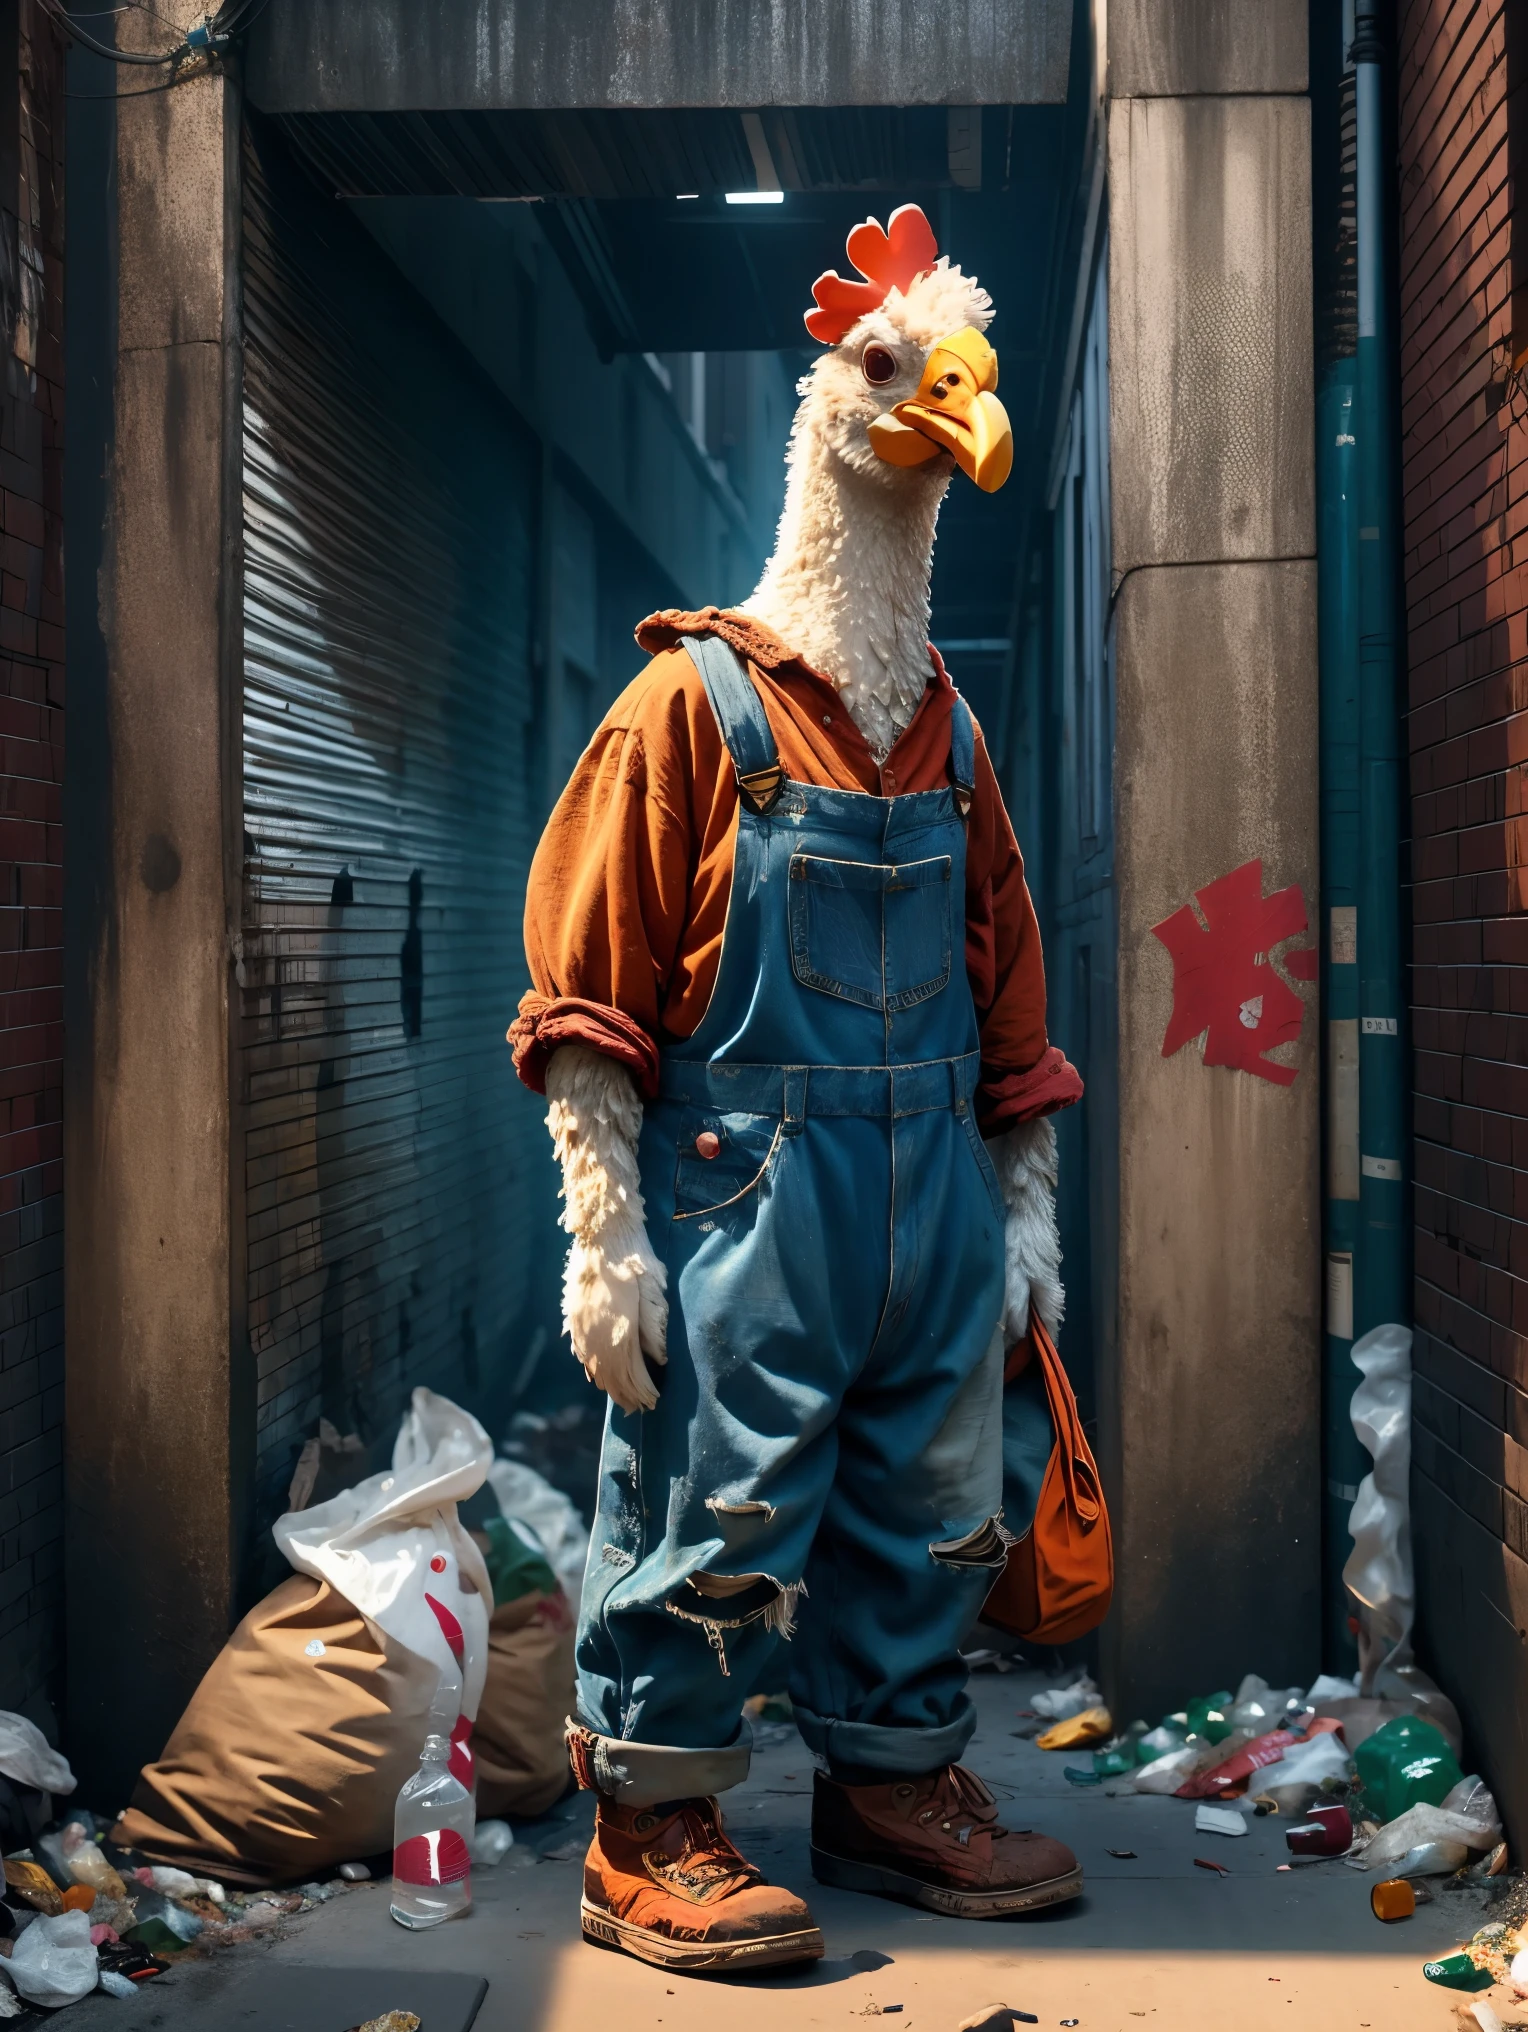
(1461, 141)
(382, 55)
(152, 1395)
(1210, 1425)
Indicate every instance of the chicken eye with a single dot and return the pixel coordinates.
(878, 366)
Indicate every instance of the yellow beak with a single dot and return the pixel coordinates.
(954, 411)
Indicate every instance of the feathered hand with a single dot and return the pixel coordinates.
(614, 1307)
(1025, 1158)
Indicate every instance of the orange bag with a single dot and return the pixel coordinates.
(1059, 1578)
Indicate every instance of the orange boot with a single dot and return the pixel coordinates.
(665, 1884)
(935, 1841)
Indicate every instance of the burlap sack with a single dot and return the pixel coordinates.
(291, 1754)
(522, 1762)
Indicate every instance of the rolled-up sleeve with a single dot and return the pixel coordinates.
(607, 901)
(1023, 1074)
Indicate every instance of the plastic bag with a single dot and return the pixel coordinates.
(1379, 1570)
(291, 1753)
(1062, 1702)
(53, 1962)
(1330, 1687)
(1159, 1742)
(1433, 1859)
(1119, 1756)
(1092, 1725)
(491, 1842)
(1166, 1774)
(393, 1545)
(70, 1856)
(1406, 1763)
(1473, 1798)
(528, 1498)
(25, 1756)
(1258, 1705)
(1420, 1824)
(1263, 1752)
(1302, 1771)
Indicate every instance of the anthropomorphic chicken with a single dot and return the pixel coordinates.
(789, 1013)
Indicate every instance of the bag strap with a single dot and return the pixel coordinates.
(740, 715)
(962, 756)
(1072, 1452)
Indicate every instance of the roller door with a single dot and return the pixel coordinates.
(398, 1188)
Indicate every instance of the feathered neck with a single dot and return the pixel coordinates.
(848, 585)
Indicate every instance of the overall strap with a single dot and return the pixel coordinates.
(962, 755)
(741, 717)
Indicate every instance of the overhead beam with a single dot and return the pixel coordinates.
(331, 56)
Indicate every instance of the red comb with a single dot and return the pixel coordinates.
(889, 258)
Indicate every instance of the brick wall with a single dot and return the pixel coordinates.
(31, 858)
(1465, 459)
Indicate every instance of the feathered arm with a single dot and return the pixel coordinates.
(614, 1306)
(1025, 1158)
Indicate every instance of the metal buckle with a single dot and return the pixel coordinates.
(761, 787)
(964, 793)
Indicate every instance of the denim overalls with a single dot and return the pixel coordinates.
(827, 1445)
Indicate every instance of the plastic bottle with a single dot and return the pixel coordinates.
(432, 1833)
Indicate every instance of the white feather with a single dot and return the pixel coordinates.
(1025, 1157)
(614, 1307)
(848, 585)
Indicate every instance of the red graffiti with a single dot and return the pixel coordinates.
(1224, 986)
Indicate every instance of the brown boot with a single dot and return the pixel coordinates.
(934, 1841)
(665, 1884)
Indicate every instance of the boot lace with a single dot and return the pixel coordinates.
(962, 1806)
(708, 1866)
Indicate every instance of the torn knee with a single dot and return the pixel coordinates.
(986, 1546)
(737, 1600)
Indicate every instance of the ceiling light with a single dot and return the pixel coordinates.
(756, 197)
(683, 197)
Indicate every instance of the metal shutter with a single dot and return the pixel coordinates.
(400, 1192)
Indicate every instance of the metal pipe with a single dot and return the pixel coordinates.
(1381, 1290)
(1343, 1462)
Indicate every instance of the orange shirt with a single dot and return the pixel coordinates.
(628, 893)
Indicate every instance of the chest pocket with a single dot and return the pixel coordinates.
(872, 932)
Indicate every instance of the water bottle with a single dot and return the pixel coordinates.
(432, 1827)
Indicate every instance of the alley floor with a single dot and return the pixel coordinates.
(1154, 1940)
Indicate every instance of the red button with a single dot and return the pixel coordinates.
(708, 1143)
